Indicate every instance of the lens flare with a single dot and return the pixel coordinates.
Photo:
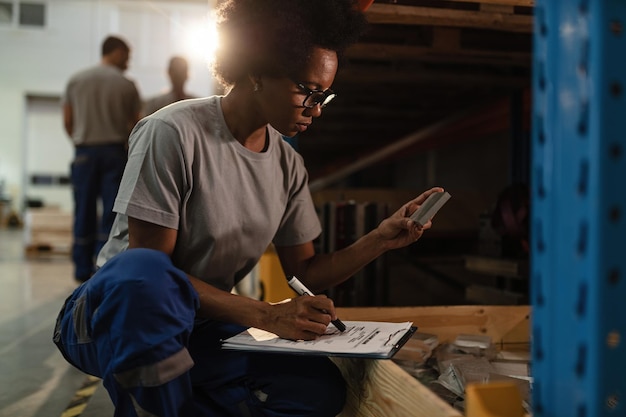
(201, 40)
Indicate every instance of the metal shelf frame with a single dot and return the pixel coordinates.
(578, 232)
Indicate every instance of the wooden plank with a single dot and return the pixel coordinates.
(486, 294)
(48, 219)
(51, 237)
(380, 388)
(523, 3)
(430, 16)
(46, 251)
(493, 266)
(386, 52)
(394, 197)
(446, 39)
(425, 77)
(48, 231)
(504, 324)
(496, 8)
(383, 153)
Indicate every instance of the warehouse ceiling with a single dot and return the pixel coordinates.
(422, 66)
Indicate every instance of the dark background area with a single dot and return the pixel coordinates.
(436, 93)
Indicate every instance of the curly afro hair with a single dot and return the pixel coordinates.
(275, 37)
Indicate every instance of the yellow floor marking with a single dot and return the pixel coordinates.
(79, 401)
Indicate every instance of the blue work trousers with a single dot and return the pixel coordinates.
(96, 173)
(133, 325)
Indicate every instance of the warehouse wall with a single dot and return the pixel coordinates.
(36, 62)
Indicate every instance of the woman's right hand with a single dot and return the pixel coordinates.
(301, 318)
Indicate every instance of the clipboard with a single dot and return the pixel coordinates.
(396, 347)
(362, 339)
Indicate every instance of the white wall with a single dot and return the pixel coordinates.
(39, 61)
(44, 136)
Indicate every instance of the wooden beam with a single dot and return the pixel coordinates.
(446, 39)
(523, 3)
(504, 324)
(496, 8)
(381, 388)
(386, 52)
(430, 16)
(420, 77)
(384, 152)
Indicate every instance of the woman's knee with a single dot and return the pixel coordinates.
(146, 271)
(137, 262)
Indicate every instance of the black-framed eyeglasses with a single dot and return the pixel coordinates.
(315, 97)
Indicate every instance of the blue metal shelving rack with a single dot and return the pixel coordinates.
(578, 232)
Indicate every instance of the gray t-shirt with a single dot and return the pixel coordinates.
(155, 103)
(187, 172)
(104, 105)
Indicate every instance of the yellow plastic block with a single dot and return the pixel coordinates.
(495, 399)
(275, 287)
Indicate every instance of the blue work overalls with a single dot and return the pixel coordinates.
(132, 324)
(96, 173)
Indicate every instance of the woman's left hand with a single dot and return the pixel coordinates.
(398, 230)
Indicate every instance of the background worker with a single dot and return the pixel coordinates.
(100, 107)
(209, 184)
(178, 72)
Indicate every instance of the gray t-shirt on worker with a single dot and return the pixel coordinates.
(187, 172)
(104, 105)
(155, 103)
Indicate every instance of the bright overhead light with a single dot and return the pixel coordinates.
(201, 40)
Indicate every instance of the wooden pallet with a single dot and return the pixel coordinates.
(43, 250)
(48, 232)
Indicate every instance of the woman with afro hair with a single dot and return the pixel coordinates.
(209, 185)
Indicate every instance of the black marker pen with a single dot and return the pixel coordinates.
(300, 289)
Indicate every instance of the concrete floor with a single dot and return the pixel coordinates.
(35, 380)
